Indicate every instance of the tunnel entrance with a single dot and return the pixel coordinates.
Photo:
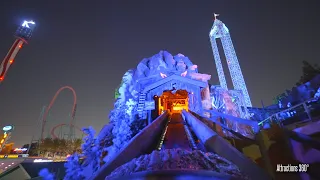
(174, 102)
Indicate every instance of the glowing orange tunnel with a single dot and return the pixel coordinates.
(173, 102)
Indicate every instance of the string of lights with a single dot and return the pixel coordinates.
(163, 135)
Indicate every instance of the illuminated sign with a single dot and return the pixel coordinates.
(42, 160)
(149, 105)
(26, 23)
(20, 149)
(14, 156)
(7, 128)
(9, 156)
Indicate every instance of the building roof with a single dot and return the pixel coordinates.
(174, 77)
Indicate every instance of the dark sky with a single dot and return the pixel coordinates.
(89, 46)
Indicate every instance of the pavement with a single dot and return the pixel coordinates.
(6, 164)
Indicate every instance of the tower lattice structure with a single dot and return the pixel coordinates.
(23, 34)
(220, 30)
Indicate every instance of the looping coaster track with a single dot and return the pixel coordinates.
(54, 136)
(51, 104)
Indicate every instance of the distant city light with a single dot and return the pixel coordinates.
(20, 149)
(26, 23)
(42, 160)
(7, 128)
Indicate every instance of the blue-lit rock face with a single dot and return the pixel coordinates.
(301, 93)
(148, 71)
(178, 159)
(317, 94)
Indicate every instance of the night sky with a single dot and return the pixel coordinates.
(89, 46)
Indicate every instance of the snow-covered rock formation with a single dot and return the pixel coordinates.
(124, 122)
(317, 94)
(149, 70)
(178, 159)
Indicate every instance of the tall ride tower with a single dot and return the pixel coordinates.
(220, 30)
(23, 34)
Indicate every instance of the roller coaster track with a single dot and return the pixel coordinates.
(176, 134)
(51, 104)
(54, 136)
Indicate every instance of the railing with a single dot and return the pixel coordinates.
(301, 138)
(138, 145)
(216, 144)
(247, 122)
(302, 106)
(236, 134)
(306, 108)
(304, 139)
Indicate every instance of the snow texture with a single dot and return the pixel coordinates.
(317, 94)
(91, 151)
(178, 159)
(302, 93)
(230, 102)
(124, 115)
(46, 175)
(74, 171)
(91, 154)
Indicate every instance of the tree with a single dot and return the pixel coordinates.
(91, 155)
(77, 145)
(46, 146)
(74, 171)
(308, 72)
(278, 98)
(105, 138)
(62, 147)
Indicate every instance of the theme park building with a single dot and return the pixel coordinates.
(160, 119)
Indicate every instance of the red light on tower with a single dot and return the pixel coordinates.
(22, 34)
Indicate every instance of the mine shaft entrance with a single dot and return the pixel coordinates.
(174, 102)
